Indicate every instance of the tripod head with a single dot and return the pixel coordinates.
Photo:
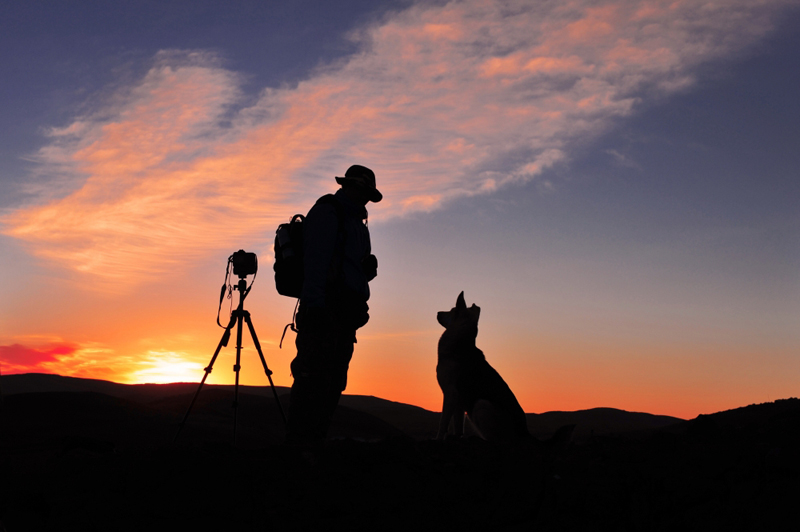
(242, 287)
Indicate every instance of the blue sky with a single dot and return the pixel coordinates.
(644, 255)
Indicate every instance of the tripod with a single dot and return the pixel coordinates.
(237, 316)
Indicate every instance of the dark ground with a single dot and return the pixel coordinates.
(90, 461)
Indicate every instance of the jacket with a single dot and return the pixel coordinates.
(328, 275)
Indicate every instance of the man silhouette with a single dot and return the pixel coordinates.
(333, 303)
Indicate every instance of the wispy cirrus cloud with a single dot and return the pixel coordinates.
(442, 101)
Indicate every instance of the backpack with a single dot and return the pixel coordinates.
(289, 266)
(289, 257)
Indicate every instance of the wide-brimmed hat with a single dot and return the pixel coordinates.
(362, 176)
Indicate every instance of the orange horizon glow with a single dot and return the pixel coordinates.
(600, 377)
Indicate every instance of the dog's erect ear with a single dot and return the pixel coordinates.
(444, 318)
(460, 303)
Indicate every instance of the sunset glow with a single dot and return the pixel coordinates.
(166, 367)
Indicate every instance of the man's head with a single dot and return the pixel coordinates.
(361, 181)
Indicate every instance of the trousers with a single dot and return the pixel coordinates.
(324, 350)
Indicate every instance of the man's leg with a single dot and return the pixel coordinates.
(305, 425)
(324, 350)
(338, 362)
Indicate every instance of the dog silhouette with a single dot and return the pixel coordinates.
(470, 385)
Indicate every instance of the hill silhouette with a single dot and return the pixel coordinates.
(359, 416)
(81, 454)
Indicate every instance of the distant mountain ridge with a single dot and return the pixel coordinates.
(46, 382)
(410, 420)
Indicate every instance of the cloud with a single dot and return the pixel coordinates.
(90, 360)
(441, 100)
(97, 361)
(623, 160)
(18, 358)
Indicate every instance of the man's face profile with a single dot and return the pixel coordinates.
(357, 193)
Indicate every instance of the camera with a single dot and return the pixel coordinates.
(244, 263)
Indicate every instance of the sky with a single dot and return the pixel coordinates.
(614, 183)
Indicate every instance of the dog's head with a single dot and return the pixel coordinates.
(460, 315)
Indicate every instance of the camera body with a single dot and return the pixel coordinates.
(244, 263)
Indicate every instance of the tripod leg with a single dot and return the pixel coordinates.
(239, 313)
(264, 363)
(222, 343)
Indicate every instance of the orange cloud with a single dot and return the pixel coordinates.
(597, 23)
(18, 358)
(64, 358)
(442, 101)
(92, 360)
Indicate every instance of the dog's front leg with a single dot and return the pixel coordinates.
(458, 422)
(448, 411)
